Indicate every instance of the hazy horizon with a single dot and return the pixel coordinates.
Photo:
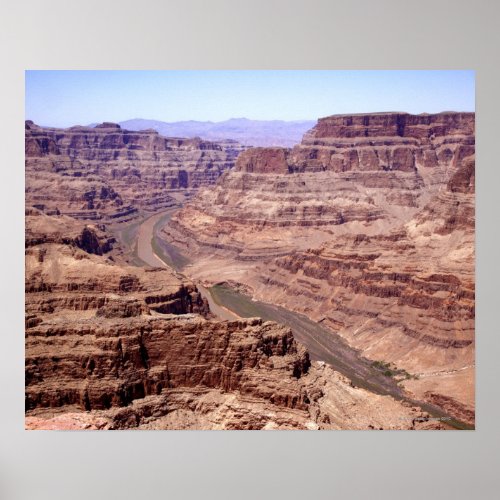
(236, 118)
(66, 98)
(137, 118)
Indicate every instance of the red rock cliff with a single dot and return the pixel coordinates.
(109, 173)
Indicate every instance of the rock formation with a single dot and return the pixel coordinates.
(107, 173)
(111, 346)
(366, 226)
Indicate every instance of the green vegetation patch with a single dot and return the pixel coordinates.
(390, 370)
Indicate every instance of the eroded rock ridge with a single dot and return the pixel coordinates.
(108, 173)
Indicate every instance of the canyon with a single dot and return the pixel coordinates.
(113, 346)
(134, 241)
(367, 227)
(107, 173)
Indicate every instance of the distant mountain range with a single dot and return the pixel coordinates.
(243, 130)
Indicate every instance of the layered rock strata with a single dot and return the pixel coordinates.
(367, 226)
(66, 270)
(110, 346)
(107, 173)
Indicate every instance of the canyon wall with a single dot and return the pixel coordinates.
(366, 226)
(110, 346)
(108, 173)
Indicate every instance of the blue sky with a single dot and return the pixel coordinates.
(65, 98)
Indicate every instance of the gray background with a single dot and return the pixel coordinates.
(271, 34)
